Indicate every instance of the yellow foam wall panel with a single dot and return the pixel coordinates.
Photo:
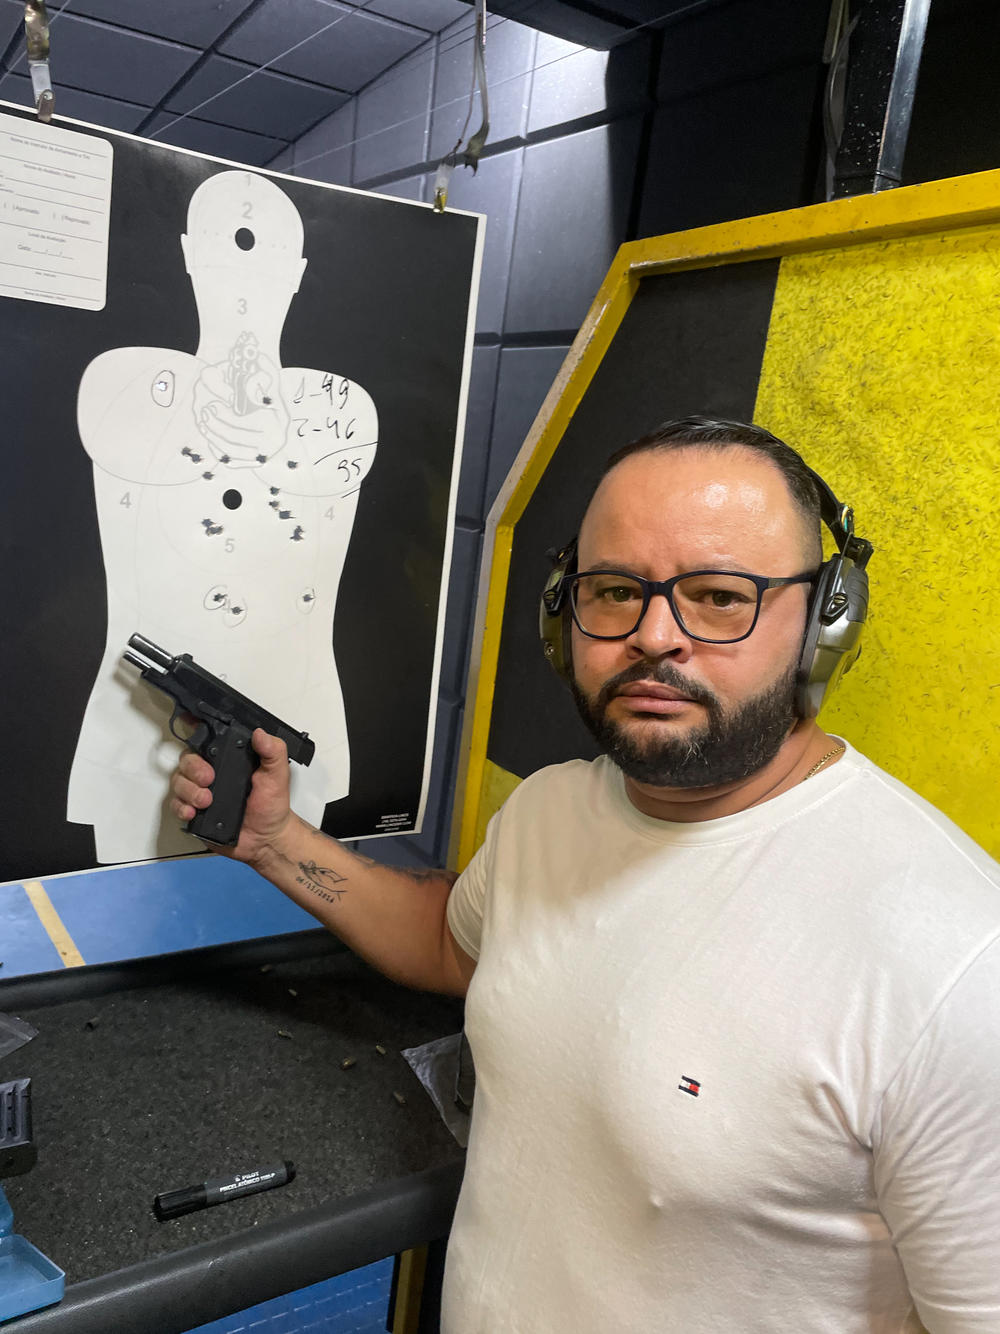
(882, 366)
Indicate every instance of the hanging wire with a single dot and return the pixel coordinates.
(472, 150)
(410, 64)
(448, 44)
(452, 44)
(459, 41)
(440, 106)
(692, 8)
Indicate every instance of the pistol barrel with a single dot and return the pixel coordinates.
(152, 651)
(142, 663)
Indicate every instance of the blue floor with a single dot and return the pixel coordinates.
(130, 912)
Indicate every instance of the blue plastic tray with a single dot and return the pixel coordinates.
(28, 1279)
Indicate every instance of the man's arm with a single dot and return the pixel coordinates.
(395, 919)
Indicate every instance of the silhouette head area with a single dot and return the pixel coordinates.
(243, 253)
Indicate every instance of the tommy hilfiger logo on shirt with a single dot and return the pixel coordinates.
(689, 1085)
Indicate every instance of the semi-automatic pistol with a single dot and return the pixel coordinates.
(225, 722)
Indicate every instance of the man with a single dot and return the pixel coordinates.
(735, 992)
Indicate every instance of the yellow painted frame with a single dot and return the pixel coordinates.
(958, 202)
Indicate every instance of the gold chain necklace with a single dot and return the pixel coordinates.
(837, 750)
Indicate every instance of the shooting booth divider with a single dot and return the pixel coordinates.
(866, 333)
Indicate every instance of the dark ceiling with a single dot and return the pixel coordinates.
(242, 79)
(138, 65)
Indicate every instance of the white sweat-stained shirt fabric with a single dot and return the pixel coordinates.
(734, 1076)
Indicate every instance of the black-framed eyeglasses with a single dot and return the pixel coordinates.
(715, 606)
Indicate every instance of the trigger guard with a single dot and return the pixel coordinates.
(197, 738)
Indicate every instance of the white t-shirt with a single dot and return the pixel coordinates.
(734, 1076)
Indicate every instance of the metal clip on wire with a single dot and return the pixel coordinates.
(469, 157)
(36, 26)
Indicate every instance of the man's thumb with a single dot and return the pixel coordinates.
(272, 752)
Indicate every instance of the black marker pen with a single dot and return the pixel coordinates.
(174, 1203)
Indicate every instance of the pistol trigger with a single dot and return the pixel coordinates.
(194, 740)
(199, 737)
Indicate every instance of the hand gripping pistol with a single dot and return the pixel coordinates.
(225, 723)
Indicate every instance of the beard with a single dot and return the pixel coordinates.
(728, 747)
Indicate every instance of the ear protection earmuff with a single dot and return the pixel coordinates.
(838, 607)
(555, 619)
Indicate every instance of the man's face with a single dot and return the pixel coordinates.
(670, 710)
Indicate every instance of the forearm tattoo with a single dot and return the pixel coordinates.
(327, 884)
(321, 881)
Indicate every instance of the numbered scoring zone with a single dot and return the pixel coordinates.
(256, 547)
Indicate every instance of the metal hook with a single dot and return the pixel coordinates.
(473, 149)
(36, 26)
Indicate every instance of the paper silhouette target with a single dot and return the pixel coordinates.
(262, 474)
(226, 491)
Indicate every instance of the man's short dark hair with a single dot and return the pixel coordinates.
(719, 434)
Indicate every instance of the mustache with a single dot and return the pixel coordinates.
(664, 674)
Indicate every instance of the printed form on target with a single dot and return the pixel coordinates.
(55, 207)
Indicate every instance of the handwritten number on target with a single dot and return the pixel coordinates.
(345, 467)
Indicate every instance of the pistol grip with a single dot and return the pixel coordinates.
(228, 750)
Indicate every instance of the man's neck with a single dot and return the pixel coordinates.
(803, 748)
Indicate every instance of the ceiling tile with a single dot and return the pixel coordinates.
(341, 47)
(572, 81)
(197, 22)
(525, 376)
(492, 190)
(327, 152)
(112, 62)
(95, 110)
(266, 103)
(11, 23)
(476, 447)
(411, 187)
(393, 118)
(745, 42)
(217, 140)
(555, 270)
(285, 161)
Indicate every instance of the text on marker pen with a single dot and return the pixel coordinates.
(174, 1203)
